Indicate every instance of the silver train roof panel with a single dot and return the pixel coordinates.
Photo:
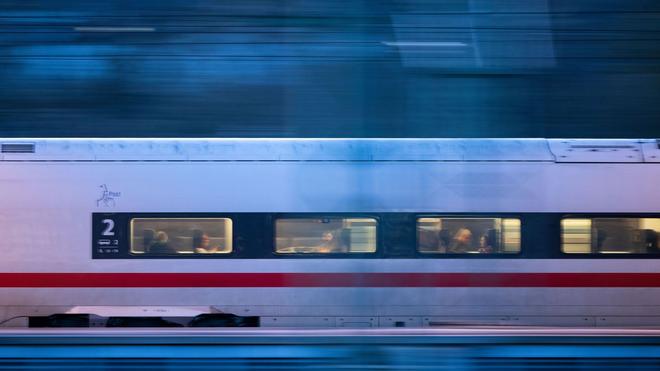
(495, 150)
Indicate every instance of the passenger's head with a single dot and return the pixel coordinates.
(483, 241)
(204, 241)
(327, 237)
(463, 235)
(161, 237)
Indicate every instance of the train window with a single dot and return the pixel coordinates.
(610, 235)
(174, 236)
(454, 235)
(325, 235)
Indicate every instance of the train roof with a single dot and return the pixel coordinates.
(331, 149)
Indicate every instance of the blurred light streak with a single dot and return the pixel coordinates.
(115, 29)
(426, 44)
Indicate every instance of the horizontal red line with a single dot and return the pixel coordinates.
(98, 280)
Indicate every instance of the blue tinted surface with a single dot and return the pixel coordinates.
(393, 68)
(404, 356)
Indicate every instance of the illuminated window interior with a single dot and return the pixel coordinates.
(174, 236)
(325, 235)
(610, 235)
(436, 235)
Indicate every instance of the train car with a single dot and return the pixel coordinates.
(329, 232)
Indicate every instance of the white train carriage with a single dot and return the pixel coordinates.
(330, 232)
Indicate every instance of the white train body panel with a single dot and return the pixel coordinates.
(47, 199)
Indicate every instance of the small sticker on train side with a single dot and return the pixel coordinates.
(108, 198)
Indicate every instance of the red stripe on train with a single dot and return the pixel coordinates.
(94, 280)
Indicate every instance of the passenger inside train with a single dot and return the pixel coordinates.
(325, 236)
(462, 241)
(485, 244)
(179, 236)
(161, 245)
(454, 235)
(202, 244)
(328, 243)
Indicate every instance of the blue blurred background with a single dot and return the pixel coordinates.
(354, 68)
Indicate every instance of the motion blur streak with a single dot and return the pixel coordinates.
(363, 68)
(450, 349)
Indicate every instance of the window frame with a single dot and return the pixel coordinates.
(598, 255)
(132, 254)
(518, 255)
(123, 223)
(378, 253)
(397, 237)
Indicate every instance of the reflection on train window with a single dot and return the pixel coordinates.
(468, 235)
(175, 236)
(325, 235)
(610, 235)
